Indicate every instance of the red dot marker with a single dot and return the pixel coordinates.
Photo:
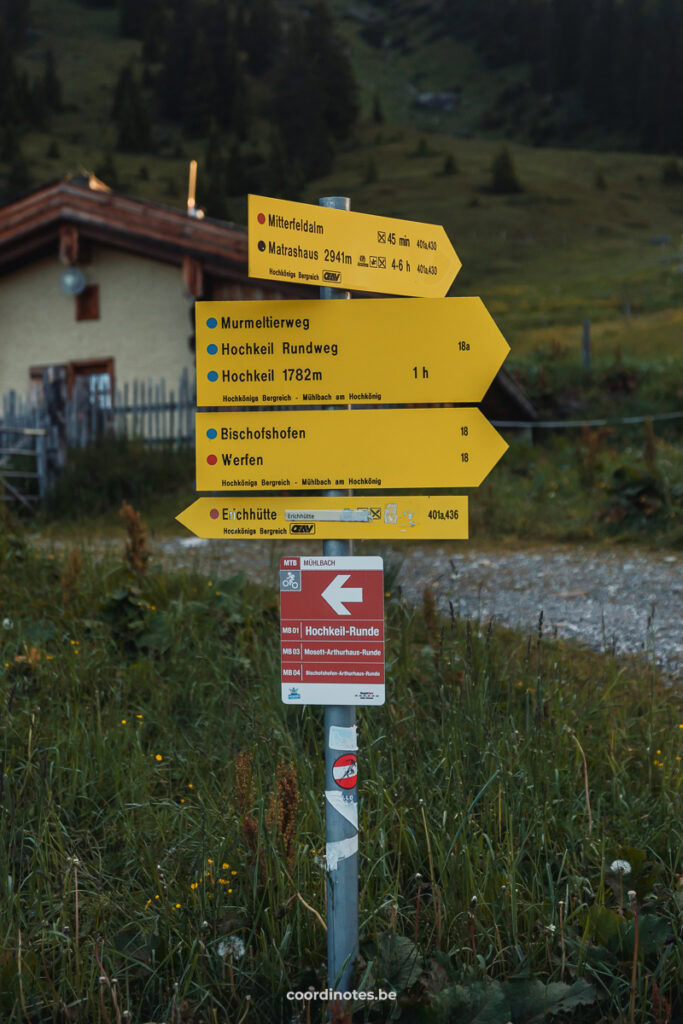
(214, 513)
(261, 218)
(211, 459)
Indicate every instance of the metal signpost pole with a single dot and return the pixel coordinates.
(341, 829)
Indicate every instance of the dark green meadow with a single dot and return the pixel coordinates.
(163, 816)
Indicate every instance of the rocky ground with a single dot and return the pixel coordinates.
(612, 599)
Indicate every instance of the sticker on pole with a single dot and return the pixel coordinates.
(345, 771)
(332, 630)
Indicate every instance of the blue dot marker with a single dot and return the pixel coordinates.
(213, 375)
(212, 349)
(212, 322)
(211, 433)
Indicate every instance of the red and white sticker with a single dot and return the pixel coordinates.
(345, 771)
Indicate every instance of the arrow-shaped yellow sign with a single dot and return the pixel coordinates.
(305, 244)
(369, 351)
(359, 448)
(378, 517)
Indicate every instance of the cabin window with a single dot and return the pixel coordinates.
(97, 373)
(88, 303)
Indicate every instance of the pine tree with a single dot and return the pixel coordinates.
(8, 81)
(18, 178)
(14, 14)
(503, 174)
(283, 176)
(177, 49)
(298, 106)
(51, 84)
(236, 178)
(123, 85)
(133, 19)
(9, 142)
(331, 71)
(135, 130)
(211, 192)
(263, 35)
(200, 91)
(107, 170)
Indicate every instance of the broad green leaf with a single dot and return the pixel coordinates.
(398, 963)
(480, 1002)
(532, 1001)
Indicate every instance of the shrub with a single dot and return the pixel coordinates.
(371, 175)
(449, 165)
(422, 149)
(503, 174)
(671, 172)
(97, 479)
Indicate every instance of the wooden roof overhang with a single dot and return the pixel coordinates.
(30, 226)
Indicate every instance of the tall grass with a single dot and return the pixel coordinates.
(144, 864)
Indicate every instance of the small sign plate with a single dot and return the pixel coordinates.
(332, 630)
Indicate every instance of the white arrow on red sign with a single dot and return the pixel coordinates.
(335, 595)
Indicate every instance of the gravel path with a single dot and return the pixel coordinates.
(623, 601)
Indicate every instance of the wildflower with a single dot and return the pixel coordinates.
(7, 623)
(620, 867)
(138, 716)
(177, 906)
(232, 946)
(190, 786)
(233, 872)
(194, 885)
(551, 928)
(225, 865)
(123, 721)
(158, 757)
(209, 861)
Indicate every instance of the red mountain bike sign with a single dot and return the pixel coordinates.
(332, 630)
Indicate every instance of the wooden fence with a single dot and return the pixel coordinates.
(46, 425)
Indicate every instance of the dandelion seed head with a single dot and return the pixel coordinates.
(232, 946)
(620, 867)
(7, 623)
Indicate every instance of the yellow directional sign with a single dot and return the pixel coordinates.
(366, 351)
(306, 244)
(359, 448)
(379, 517)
